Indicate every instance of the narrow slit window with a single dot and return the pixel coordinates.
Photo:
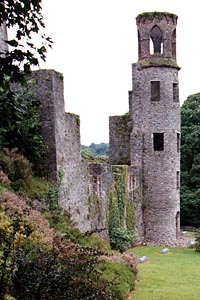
(178, 142)
(175, 92)
(155, 91)
(158, 141)
(177, 180)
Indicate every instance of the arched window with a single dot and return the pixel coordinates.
(174, 43)
(156, 36)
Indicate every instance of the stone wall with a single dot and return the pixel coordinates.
(119, 139)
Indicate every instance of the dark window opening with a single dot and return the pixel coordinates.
(157, 39)
(139, 45)
(174, 44)
(177, 180)
(175, 92)
(178, 142)
(155, 91)
(158, 141)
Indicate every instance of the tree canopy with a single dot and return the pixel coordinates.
(19, 111)
(25, 16)
(190, 161)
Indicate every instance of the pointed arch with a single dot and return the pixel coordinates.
(174, 43)
(156, 36)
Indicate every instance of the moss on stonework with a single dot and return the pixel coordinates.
(120, 177)
(120, 212)
(76, 117)
(155, 14)
(124, 211)
(158, 62)
(95, 209)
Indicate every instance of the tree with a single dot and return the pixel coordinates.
(190, 161)
(101, 149)
(26, 18)
(19, 113)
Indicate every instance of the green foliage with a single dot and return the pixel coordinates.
(197, 244)
(101, 149)
(27, 20)
(18, 169)
(120, 212)
(34, 267)
(52, 197)
(190, 161)
(121, 239)
(121, 277)
(20, 125)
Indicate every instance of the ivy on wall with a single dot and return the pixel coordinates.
(120, 211)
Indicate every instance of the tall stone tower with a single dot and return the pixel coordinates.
(150, 140)
(155, 111)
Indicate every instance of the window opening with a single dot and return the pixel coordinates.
(178, 142)
(139, 45)
(177, 224)
(174, 43)
(177, 180)
(155, 91)
(175, 92)
(158, 141)
(157, 39)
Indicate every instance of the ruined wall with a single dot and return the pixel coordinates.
(47, 86)
(119, 139)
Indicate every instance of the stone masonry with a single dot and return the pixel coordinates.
(145, 141)
(155, 137)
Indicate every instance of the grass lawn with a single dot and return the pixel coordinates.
(173, 276)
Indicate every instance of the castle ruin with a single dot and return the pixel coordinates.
(144, 143)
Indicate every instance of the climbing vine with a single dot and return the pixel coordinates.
(120, 211)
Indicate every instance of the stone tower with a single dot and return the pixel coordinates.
(155, 111)
(150, 139)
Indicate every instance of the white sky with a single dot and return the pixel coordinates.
(95, 44)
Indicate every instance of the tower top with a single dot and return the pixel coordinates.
(157, 39)
(149, 16)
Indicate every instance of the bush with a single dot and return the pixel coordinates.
(121, 239)
(197, 244)
(17, 167)
(120, 275)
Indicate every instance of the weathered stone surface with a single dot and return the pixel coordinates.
(164, 251)
(143, 259)
(153, 171)
(191, 244)
(3, 37)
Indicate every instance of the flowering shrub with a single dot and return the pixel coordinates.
(36, 264)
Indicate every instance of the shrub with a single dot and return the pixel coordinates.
(120, 275)
(17, 167)
(121, 239)
(197, 244)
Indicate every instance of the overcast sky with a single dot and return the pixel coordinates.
(95, 44)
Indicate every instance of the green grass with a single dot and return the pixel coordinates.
(173, 276)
